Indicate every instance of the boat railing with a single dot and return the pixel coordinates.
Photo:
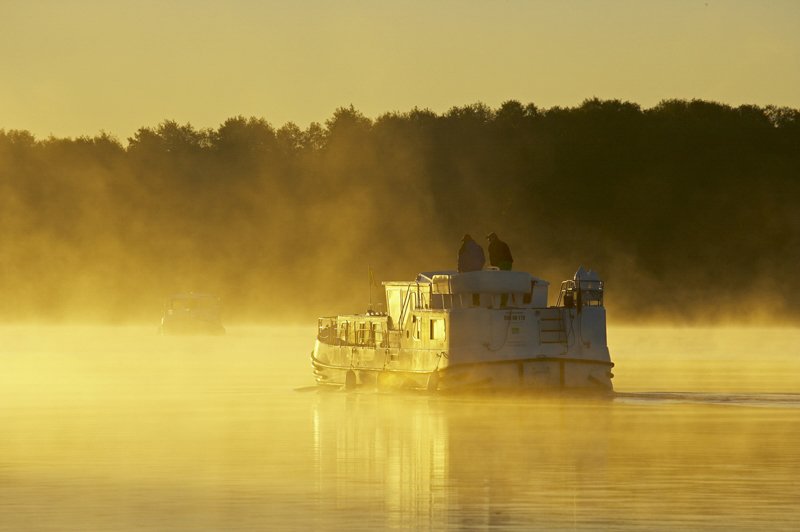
(327, 330)
(356, 333)
(580, 294)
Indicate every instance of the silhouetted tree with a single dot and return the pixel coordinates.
(689, 201)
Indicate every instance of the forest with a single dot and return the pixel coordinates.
(688, 210)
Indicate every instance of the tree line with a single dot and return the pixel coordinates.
(687, 209)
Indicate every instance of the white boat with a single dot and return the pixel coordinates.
(488, 329)
(192, 313)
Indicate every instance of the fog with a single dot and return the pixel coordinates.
(86, 363)
(705, 359)
(118, 428)
(685, 209)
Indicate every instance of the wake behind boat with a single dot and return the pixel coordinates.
(488, 329)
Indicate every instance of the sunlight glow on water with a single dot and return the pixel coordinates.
(725, 359)
(120, 429)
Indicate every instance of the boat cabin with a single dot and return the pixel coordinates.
(489, 326)
(492, 289)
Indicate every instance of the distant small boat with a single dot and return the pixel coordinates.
(192, 313)
(482, 330)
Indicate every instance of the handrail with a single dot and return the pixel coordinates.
(403, 312)
(357, 333)
(566, 286)
(585, 292)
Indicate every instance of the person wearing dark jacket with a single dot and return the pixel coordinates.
(499, 253)
(470, 255)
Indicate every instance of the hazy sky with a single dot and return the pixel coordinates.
(76, 67)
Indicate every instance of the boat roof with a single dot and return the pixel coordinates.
(491, 281)
(427, 277)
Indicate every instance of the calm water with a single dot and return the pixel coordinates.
(119, 429)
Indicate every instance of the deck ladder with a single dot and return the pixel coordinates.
(551, 327)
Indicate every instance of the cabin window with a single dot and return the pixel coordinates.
(417, 326)
(526, 298)
(394, 303)
(359, 333)
(367, 335)
(437, 329)
(476, 300)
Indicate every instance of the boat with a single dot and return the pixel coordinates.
(481, 330)
(192, 313)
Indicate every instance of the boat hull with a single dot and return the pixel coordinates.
(540, 374)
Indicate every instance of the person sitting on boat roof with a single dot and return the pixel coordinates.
(499, 252)
(470, 255)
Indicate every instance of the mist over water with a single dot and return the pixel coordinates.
(102, 229)
(116, 428)
(705, 359)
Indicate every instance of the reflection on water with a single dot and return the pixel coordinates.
(119, 429)
(558, 464)
(463, 463)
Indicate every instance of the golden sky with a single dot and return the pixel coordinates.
(76, 67)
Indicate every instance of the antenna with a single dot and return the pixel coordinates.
(371, 281)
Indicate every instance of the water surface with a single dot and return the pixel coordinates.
(120, 429)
